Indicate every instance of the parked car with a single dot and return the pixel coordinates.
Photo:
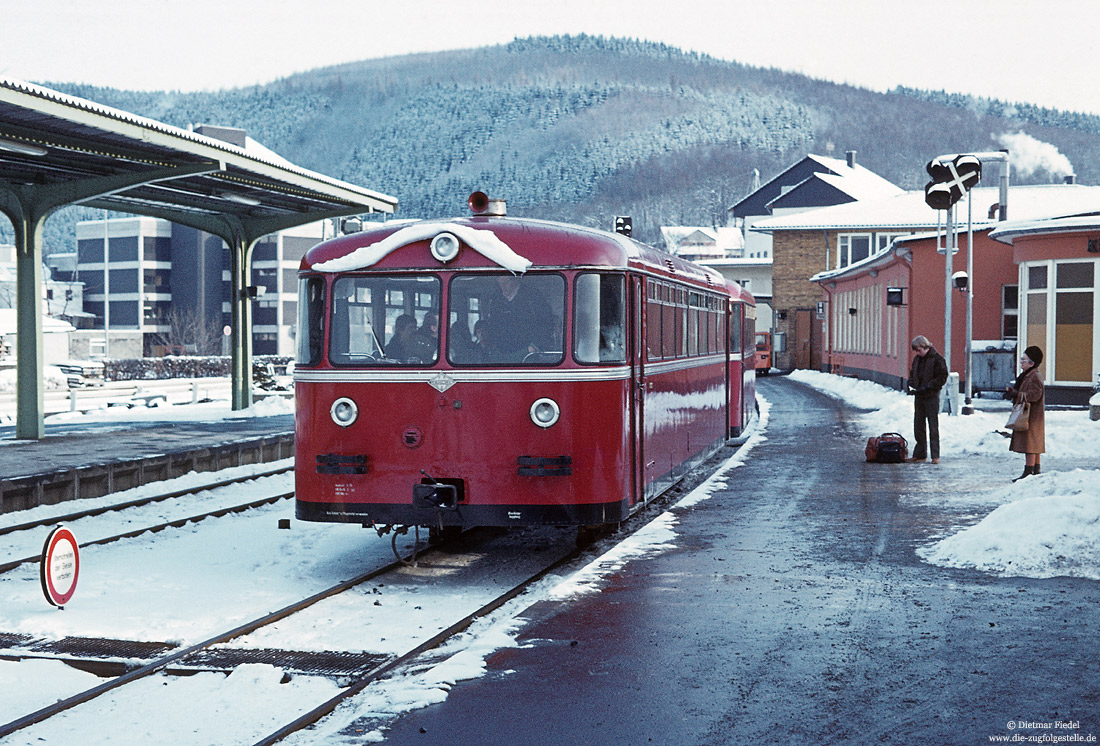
(82, 373)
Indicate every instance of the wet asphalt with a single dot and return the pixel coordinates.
(794, 610)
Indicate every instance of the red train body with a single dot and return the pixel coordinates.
(577, 375)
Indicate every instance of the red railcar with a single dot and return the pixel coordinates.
(494, 371)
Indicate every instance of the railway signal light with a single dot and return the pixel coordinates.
(951, 179)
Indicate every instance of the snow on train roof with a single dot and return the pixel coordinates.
(488, 242)
(483, 242)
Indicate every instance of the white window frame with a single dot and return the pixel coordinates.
(844, 247)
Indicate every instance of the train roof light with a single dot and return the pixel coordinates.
(482, 205)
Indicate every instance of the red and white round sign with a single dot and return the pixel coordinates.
(60, 566)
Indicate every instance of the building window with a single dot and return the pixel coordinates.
(1036, 309)
(852, 248)
(883, 240)
(1010, 311)
(1073, 302)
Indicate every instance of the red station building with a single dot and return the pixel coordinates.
(1034, 282)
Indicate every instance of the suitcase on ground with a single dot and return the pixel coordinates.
(888, 448)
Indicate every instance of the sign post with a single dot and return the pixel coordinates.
(60, 566)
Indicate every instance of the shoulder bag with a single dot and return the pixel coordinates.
(1018, 420)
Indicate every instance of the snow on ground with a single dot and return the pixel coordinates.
(185, 583)
(55, 379)
(205, 412)
(1042, 526)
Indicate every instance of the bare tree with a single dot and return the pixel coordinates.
(189, 331)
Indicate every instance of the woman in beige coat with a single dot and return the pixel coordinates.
(1029, 387)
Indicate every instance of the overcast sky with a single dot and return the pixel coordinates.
(1038, 51)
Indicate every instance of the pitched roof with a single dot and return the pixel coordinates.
(690, 239)
(908, 210)
(841, 181)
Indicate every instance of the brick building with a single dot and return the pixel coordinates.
(861, 332)
(813, 183)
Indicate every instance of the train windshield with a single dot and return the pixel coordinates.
(385, 320)
(506, 319)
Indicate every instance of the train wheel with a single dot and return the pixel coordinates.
(587, 535)
(437, 535)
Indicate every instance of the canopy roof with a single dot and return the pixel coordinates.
(49, 139)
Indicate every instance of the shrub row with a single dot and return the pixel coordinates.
(156, 368)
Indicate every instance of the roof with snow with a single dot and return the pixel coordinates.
(49, 323)
(1010, 231)
(133, 164)
(701, 241)
(908, 210)
(814, 181)
(845, 182)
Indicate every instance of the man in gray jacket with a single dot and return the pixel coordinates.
(927, 375)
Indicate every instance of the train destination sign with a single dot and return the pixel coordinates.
(60, 566)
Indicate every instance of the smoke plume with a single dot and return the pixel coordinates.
(1029, 155)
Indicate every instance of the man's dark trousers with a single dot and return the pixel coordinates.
(926, 409)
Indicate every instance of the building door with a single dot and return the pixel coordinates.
(802, 349)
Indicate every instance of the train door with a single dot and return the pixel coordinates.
(637, 386)
(748, 366)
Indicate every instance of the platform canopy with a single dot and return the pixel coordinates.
(58, 150)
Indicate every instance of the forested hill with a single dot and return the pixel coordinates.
(583, 128)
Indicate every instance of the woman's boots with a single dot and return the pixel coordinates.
(1028, 471)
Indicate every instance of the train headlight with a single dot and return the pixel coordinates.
(545, 412)
(444, 247)
(344, 411)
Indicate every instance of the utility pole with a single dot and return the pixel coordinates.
(106, 287)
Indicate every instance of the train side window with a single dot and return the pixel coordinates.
(735, 329)
(599, 325)
(653, 323)
(693, 336)
(311, 320)
(668, 324)
(749, 335)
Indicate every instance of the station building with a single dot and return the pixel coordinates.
(1059, 281)
(161, 288)
(1032, 284)
(813, 183)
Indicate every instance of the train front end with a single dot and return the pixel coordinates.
(462, 373)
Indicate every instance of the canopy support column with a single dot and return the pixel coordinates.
(30, 371)
(27, 212)
(243, 293)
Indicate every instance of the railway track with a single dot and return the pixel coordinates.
(99, 510)
(354, 672)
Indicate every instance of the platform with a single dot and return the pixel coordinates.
(93, 460)
(791, 607)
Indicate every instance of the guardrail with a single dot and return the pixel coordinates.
(126, 393)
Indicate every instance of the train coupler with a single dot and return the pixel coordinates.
(436, 495)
